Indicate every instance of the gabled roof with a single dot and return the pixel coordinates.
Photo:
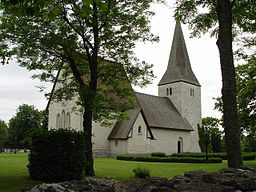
(179, 68)
(158, 112)
(122, 129)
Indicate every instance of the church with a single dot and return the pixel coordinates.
(164, 123)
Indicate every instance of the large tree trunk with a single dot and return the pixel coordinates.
(224, 43)
(87, 124)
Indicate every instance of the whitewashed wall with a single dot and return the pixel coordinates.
(167, 141)
(188, 106)
(139, 143)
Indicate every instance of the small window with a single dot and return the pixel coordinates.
(116, 142)
(139, 129)
(168, 91)
(192, 93)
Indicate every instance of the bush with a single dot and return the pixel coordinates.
(57, 155)
(248, 156)
(126, 158)
(171, 159)
(140, 172)
(158, 154)
(223, 156)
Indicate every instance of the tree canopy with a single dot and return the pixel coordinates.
(210, 134)
(228, 20)
(26, 122)
(246, 94)
(80, 37)
(3, 134)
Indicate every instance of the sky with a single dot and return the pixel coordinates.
(17, 87)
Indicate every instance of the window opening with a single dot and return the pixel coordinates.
(139, 129)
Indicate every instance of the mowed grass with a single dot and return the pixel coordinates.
(14, 175)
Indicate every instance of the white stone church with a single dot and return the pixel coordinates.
(164, 123)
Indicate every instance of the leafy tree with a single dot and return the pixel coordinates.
(93, 40)
(3, 134)
(219, 17)
(210, 134)
(246, 94)
(246, 87)
(23, 125)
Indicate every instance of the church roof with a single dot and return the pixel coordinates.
(179, 68)
(122, 128)
(158, 112)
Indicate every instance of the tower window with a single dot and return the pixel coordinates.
(168, 91)
(192, 93)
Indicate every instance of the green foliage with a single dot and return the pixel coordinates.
(57, 155)
(81, 38)
(141, 172)
(158, 154)
(223, 156)
(201, 16)
(246, 93)
(172, 159)
(3, 134)
(210, 135)
(246, 100)
(26, 122)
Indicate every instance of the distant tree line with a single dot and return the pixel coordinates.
(17, 134)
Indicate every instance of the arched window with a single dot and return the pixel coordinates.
(180, 145)
(58, 121)
(68, 123)
(62, 117)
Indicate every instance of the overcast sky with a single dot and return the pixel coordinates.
(17, 87)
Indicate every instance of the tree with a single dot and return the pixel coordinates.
(3, 134)
(26, 122)
(210, 134)
(89, 39)
(227, 14)
(246, 95)
(246, 100)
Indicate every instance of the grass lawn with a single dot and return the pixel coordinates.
(14, 174)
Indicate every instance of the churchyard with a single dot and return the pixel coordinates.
(14, 175)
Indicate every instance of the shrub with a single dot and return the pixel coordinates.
(158, 154)
(171, 159)
(248, 156)
(223, 156)
(140, 172)
(126, 158)
(57, 155)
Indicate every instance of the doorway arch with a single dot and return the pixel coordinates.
(180, 145)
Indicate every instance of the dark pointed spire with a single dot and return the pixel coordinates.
(179, 68)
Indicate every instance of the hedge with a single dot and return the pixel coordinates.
(158, 154)
(223, 156)
(57, 155)
(170, 159)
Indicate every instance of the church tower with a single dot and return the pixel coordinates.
(180, 84)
